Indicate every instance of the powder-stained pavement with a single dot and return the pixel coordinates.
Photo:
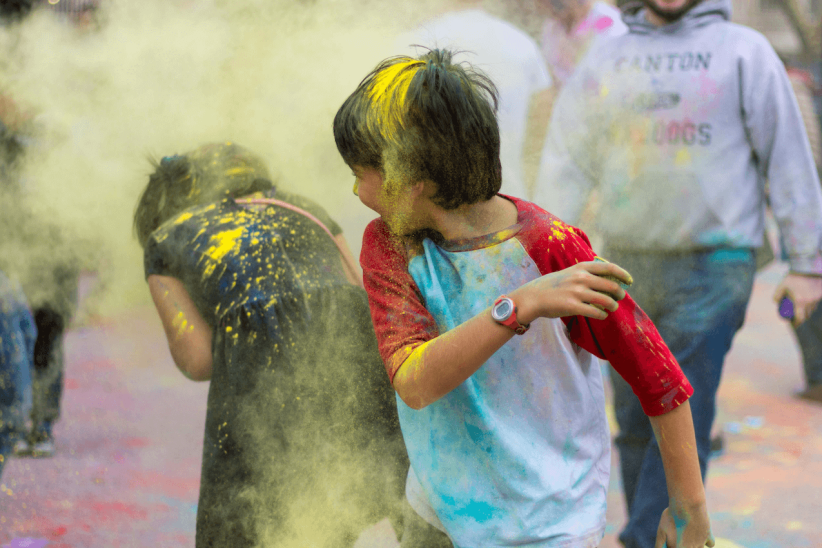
(127, 469)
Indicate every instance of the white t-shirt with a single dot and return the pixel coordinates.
(563, 50)
(509, 57)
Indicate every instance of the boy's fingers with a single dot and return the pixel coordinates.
(608, 286)
(603, 268)
(592, 311)
(603, 300)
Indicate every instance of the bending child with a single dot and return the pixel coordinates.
(302, 442)
(490, 313)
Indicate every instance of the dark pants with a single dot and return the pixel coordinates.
(809, 337)
(697, 302)
(47, 377)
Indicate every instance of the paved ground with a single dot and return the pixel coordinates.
(127, 469)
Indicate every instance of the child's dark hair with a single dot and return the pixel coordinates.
(425, 119)
(206, 175)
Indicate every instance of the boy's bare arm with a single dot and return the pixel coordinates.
(685, 522)
(438, 366)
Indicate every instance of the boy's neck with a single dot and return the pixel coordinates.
(474, 220)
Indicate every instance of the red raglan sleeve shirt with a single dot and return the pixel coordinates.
(627, 338)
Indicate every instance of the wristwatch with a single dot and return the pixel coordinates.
(504, 312)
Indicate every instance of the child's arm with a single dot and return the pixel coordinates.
(436, 367)
(188, 334)
(352, 269)
(685, 522)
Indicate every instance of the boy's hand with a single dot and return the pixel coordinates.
(581, 290)
(693, 530)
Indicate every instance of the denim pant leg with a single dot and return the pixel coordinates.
(635, 431)
(706, 301)
(15, 385)
(809, 336)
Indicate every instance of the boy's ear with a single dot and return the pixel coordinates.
(423, 189)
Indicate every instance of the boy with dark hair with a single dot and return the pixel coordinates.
(507, 435)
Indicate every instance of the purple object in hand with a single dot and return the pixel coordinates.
(786, 308)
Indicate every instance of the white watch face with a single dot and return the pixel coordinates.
(503, 310)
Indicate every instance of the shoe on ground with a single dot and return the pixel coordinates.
(813, 394)
(22, 448)
(43, 449)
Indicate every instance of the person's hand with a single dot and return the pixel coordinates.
(580, 290)
(691, 530)
(804, 290)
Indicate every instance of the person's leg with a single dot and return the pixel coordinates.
(15, 381)
(809, 336)
(707, 310)
(47, 377)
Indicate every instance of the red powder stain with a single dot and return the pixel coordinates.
(114, 510)
(71, 384)
(58, 531)
(136, 442)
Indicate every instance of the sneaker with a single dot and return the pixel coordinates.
(22, 448)
(717, 446)
(43, 448)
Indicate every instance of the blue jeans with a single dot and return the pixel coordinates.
(697, 301)
(17, 335)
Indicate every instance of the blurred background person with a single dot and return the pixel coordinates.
(680, 140)
(514, 63)
(568, 29)
(44, 257)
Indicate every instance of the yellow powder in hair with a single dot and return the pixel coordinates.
(388, 92)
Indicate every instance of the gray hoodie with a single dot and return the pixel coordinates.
(681, 126)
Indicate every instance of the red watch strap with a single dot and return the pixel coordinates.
(512, 322)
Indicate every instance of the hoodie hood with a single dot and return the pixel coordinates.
(703, 13)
